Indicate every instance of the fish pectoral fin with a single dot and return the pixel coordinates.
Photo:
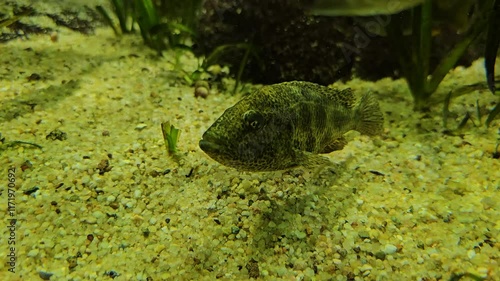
(308, 159)
(336, 144)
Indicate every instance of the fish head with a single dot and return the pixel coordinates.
(249, 139)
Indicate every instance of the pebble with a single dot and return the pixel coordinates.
(33, 253)
(365, 267)
(137, 193)
(45, 275)
(488, 203)
(140, 127)
(130, 204)
(390, 249)
(380, 255)
(242, 234)
(235, 229)
(471, 254)
(245, 213)
(364, 235)
(300, 234)
(98, 214)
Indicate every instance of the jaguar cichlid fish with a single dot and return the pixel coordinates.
(285, 125)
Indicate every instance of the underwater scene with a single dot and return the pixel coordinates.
(250, 140)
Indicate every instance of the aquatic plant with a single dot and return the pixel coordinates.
(490, 55)
(4, 145)
(163, 24)
(492, 45)
(170, 136)
(215, 55)
(10, 20)
(414, 54)
(463, 122)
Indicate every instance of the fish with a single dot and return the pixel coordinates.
(286, 125)
(360, 7)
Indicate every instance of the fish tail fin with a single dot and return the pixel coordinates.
(369, 116)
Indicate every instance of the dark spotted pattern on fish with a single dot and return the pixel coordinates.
(288, 124)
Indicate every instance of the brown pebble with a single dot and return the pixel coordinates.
(104, 166)
(201, 92)
(154, 173)
(201, 89)
(253, 269)
(54, 37)
(105, 133)
(72, 263)
(26, 165)
(90, 237)
(34, 77)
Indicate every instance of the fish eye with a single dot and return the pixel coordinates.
(253, 119)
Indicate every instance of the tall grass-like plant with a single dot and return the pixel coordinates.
(184, 12)
(414, 54)
(492, 45)
(8, 21)
(163, 24)
(490, 56)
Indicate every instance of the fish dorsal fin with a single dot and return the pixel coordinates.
(343, 97)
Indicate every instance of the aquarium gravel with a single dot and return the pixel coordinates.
(103, 200)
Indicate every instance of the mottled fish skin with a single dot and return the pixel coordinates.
(286, 125)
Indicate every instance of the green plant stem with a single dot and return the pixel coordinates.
(170, 136)
(422, 35)
(243, 63)
(492, 45)
(122, 12)
(414, 60)
(108, 19)
(493, 114)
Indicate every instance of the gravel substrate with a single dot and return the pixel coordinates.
(102, 199)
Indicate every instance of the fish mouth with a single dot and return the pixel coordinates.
(209, 144)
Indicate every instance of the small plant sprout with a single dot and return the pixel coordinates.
(171, 136)
(4, 145)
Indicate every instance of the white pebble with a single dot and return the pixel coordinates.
(111, 198)
(365, 267)
(471, 254)
(390, 249)
(33, 253)
(137, 193)
(130, 204)
(140, 127)
(85, 179)
(98, 214)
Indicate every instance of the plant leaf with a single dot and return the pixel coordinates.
(492, 45)
(493, 114)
